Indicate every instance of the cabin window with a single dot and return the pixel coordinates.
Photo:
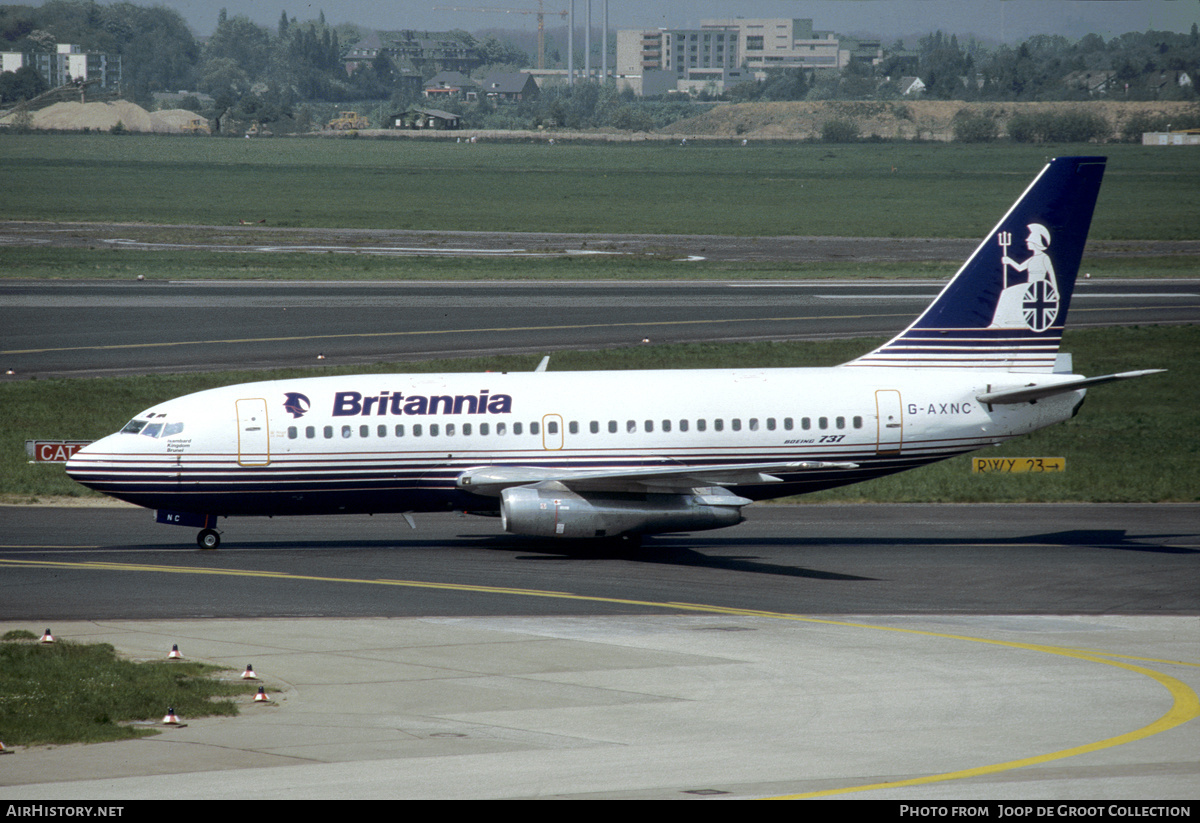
(805, 423)
(701, 424)
(594, 427)
(719, 425)
(630, 426)
(328, 432)
(612, 426)
(517, 428)
(346, 431)
(449, 429)
(683, 425)
(573, 427)
(666, 426)
(649, 425)
(753, 424)
(770, 424)
(858, 423)
(364, 431)
(433, 429)
(416, 430)
(822, 422)
(466, 429)
(292, 433)
(551, 427)
(787, 424)
(501, 428)
(841, 422)
(310, 432)
(483, 429)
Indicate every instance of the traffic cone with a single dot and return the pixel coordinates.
(261, 697)
(249, 673)
(171, 719)
(175, 655)
(3, 750)
(47, 637)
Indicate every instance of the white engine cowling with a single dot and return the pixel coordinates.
(552, 510)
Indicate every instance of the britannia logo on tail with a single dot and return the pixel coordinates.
(1033, 303)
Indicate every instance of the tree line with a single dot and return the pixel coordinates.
(284, 74)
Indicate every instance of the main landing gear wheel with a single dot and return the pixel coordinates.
(208, 539)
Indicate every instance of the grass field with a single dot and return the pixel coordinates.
(1131, 442)
(85, 693)
(872, 189)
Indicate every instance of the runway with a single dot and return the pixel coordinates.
(902, 652)
(75, 329)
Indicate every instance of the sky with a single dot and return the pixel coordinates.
(995, 20)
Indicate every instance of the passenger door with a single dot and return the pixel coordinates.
(254, 447)
(891, 421)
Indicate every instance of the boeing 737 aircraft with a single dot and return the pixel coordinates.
(623, 454)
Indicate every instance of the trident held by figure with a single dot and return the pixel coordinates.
(1005, 238)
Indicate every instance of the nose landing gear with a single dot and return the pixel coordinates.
(208, 538)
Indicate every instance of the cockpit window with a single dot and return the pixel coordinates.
(158, 428)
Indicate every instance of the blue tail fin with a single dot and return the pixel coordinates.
(1006, 307)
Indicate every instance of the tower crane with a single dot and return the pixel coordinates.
(540, 11)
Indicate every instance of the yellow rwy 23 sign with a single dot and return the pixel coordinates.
(981, 465)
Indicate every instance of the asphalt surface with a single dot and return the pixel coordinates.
(888, 652)
(837, 559)
(71, 328)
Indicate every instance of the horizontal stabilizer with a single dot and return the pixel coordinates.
(1030, 393)
(491, 480)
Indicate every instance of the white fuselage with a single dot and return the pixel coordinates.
(379, 443)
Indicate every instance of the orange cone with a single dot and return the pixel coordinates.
(261, 697)
(47, 637)
(249, 673)
(175, 655)
(171, 719)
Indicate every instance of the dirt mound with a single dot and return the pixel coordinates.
(105, 116)
(916, 119)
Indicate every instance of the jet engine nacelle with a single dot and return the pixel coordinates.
(552, 510)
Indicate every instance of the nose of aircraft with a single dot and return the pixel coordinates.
(81, 464)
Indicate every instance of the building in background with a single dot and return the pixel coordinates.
(67, 64)
(722, 53)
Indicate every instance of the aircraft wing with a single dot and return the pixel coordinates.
(1032, 392)
(492, 480)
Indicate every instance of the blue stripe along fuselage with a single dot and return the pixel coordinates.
(222, 487)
